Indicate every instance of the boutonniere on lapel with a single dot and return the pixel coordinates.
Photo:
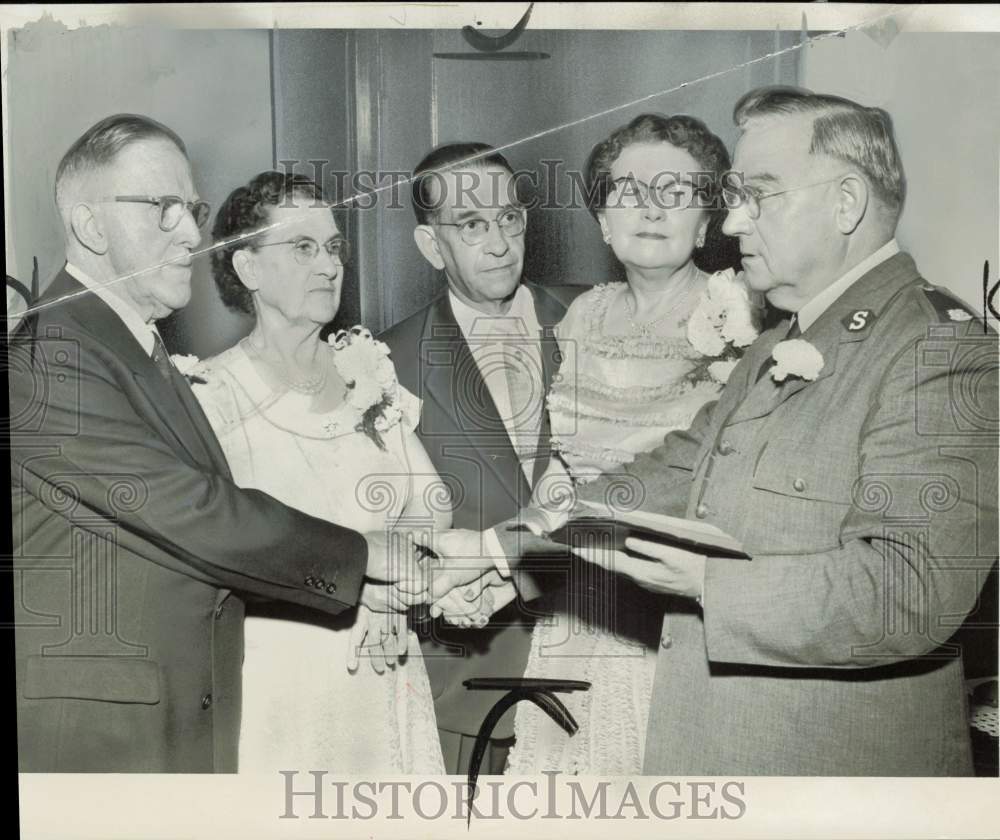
(190, 367)
(725, 321)
(796, 357)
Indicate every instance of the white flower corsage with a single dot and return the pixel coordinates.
(796, 357)
(364, 364)
(725, 321)
(189, 366)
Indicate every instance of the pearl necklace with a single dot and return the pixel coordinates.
(308, 385)
(645, 328)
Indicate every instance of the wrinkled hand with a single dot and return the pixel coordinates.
(461, 558)
(381, 620)
(473, 605)
(670, 571)
(393, 557)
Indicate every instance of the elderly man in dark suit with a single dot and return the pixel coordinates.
(132, 546)
(481, 356)
(853, 453)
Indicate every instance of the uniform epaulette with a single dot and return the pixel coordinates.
(948, 306)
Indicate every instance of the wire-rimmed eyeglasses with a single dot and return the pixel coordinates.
(474, 231)
(305, 249)
(749, 198)
(671, 194)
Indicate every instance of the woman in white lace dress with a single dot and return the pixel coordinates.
(327, 429)
(629, 376)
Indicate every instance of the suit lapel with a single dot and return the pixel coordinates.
(168, 400)
(200, 423)
(766, 395)
(870, 293)
(453, 381)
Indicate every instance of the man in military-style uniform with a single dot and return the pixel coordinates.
(853, 453)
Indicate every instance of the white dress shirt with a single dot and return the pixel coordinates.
(144, 333)
(487, 336)
(809, 314)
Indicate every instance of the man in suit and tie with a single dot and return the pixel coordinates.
(132, 546)
(853, 453)
(481, 357)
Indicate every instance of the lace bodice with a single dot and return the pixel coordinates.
(617, 395)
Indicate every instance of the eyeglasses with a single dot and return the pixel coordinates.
(629, 191)
(305, 249)
(749, 198)
(172, 208)
(474, 231)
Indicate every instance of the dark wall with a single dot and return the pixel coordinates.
(405, 101)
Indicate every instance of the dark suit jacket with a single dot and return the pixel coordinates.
(130, 544)
(867, 498)
(470, 448)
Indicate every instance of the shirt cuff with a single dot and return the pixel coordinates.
(496, 552)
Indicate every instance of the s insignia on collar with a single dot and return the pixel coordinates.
(859, 320)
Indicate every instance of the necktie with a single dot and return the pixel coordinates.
(793, 332)
(161, 358)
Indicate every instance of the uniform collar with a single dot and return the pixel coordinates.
(809, 314)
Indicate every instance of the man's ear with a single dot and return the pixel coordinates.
(427, 242)
(852, 203)
(246, 269)
(88, 229)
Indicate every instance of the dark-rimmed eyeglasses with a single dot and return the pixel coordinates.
(474, 231)
(749, 198)
(172, 208)
(305, 249)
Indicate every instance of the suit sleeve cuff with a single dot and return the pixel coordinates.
(496, 552)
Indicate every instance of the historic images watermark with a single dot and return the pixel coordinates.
(554, 185)
(309, 795)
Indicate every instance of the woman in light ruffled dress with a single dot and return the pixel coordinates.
(630, 375)
(325, 428)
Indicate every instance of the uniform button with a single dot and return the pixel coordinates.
(310, 580)
(701, 511)
(331, 588)
(320, 583)
(725, 448)
(666, 641)
(206, 701)
(799, 485)
(218, 612)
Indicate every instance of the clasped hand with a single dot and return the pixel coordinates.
(465, 586)
(472, 605)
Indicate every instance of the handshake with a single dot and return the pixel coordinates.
(462, 575)
(453, 572)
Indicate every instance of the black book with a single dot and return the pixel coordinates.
(598, 526)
